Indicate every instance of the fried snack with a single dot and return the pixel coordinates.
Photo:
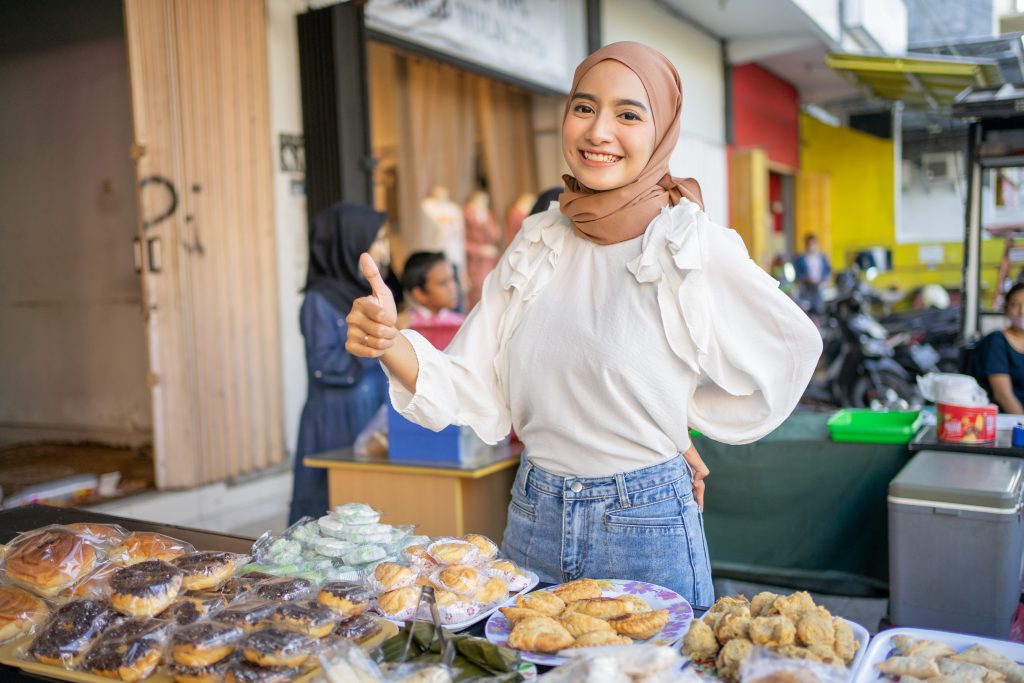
(545, 602)
(517, 614)
(725, 604)
(700, 642)
(978, 654)
(277, 647)
(641, 626)
(488, 550)
(773, 631)
(577, 590)
(20, 611)
(814, 627)
(144, 545)
(732, 625)
(145, 589)
(762, 603)
(47, 562)
(798, 676)
(846, 644)
(494, 589)
(908, 645)
(637, 604)
(599, 638)
(200, 645)
(737, 609)
(731, 658)
(965, 671)
(797, 652)
(602, 608)
(578, 624)
(206, 569)
(914, 665)
(539, 634)
(826, 655)
(792, 605)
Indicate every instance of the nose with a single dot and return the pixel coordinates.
(600, 129)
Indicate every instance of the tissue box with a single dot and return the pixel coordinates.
(409, 442)
(966, 424)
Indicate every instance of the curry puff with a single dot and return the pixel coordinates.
(539, 634)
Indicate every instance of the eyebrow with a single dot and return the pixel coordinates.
(618, 103)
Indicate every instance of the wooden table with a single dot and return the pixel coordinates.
(441, 498)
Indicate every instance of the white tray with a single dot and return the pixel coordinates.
(881, 647)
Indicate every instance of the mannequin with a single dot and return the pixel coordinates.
(445, 230)
(482, 238)
(519, 210)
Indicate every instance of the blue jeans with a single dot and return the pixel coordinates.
(642, 525)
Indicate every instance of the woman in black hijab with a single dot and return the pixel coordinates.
(344, 391)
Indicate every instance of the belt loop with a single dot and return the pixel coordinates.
(524, 475)
(620, 484)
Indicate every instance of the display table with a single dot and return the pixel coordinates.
(800, 510)
(441, 498)
(926, 440)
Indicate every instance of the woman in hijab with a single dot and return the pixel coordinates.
(344, 390)
(613, 323)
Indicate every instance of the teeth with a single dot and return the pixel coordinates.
(591, 156)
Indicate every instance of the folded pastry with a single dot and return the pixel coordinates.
(598, 638)
(978, 654)
(517, 614)
(458, 578)
(637, 605)
(914, 665)
(641, 626)
(492, 590)
(908, 645)
(539, 634)
(602, 608)
(545, 602)
(578, 624)
(578, 590)
(967, 672)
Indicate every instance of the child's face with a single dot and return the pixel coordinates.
(440, 290)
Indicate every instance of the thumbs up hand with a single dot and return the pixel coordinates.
(371, 323)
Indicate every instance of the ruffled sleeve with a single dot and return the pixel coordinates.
(752, 347)
(466, 384)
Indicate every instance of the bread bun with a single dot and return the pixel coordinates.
(20, 611)
(144, 545)
(49, 561)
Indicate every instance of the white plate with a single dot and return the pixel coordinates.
(881, 647)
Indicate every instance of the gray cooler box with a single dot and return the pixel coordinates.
(955, 543)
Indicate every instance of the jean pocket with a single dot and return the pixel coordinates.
(665, 515)
(522, 505)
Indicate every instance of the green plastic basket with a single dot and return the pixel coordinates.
(863, 425)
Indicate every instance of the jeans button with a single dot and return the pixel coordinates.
(576, 487)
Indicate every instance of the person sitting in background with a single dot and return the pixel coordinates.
(429, 282)
(344, 391)
(1001, 356)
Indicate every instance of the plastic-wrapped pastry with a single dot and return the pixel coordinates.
(332, 526)
(95, 585)
(358, 629)
(145, 589)
(388, 576)
(214, 673)
(128, 651)
(365, 554)
(277, 647)
(494, 589)
(20, 612)
(399, 604)
(545, 602)
(333, 547)
(700, 642)
(539, 634)
(200, 645)
(70, 631)
(418, 558)
(488, 549)
(641, 626)
(49, 560)
(342, 573)
(248, 615)
(508, 570)
(368, 533)
(356, 513)
(579, 589)
(104, 535)
(455, 608)
(244, 671)
(347, 599)
(192, 608)
(453, 551)
(600, 639)
(145, 545)
(283, 588)
(458, 578)
(312, 618)
(207, 569)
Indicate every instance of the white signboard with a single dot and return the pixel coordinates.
(539, 41)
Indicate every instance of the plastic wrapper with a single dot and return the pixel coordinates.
(248, 614)
(103, 535)
(277, 647)
(448, 551)
(414, 672)
(512, 573)
(621, 664)
(330, 546)
(70, 631)
(453, 608)
(345, 662)
(208, 569)
(458, 578)
(346, 598)
(365, 554)
(49, 560)
(310, 617)
(764, 667)
(388, 576)
(240, 670)
(283, 588)
(204, 643)
(129, 650)
(145, 589)
(419, 559)
(356, 513)
(214, 673)
(488, 548)
(192, 608)
(400, 604)
(21, 612)
(357, 629)
(140, 546)
(96, 585)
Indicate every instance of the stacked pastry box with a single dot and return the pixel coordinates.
(96, 599)
(351, 543)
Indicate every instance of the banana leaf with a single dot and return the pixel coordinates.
(477, 659)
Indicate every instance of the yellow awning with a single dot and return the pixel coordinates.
(929, 81)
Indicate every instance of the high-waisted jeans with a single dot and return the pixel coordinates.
(642, 525)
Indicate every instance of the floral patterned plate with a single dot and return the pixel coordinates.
(680, 614)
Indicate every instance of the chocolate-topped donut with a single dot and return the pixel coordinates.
(311, 618)
(128, 651)
(248, 615)
(206, 569)
(205, 643)
(146, 588)
(70, 631)
(242, 671)
(213, 673)
(192, 608)
(283, 588)
(277, 647)
(358, 628)
(347, 598)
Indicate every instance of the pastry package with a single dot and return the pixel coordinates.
(189, 609)
(275, 647)
(448, 551)
(70, 631)
(21, 612)
(345, 662)
(512, 573)
(140, 546)
(358, 629)
(355, 514)
(462, 579)
(208, 569)
(204, 643)
(283, 588)
(103, 535)
(399, 604)
(628, 664)
(94, 585)
(388, 576)
(248, 614)
(129, 650)
(145, 589)
(49, 560)
(308, 616)
(346, 598)
(417, 557)
(487, 548)
(763, 666)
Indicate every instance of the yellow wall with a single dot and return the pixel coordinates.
(860, 167)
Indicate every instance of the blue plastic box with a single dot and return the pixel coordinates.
(409, 442)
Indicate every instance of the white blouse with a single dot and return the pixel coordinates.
(602, 356)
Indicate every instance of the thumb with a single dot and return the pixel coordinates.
(372, 273)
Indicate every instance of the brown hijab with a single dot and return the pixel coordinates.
(624, 213)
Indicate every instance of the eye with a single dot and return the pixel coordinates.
(630, 116)
(582, 108)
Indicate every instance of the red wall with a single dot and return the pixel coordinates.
(766, 113)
